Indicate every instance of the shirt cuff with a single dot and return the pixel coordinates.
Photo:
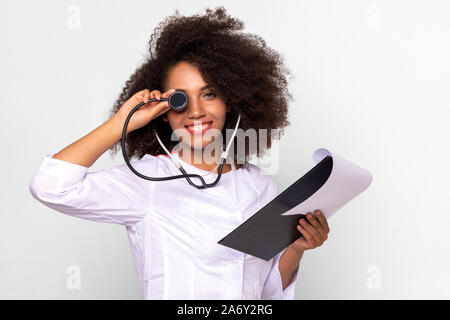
(273, 286)
(62, 173)
(289, 291)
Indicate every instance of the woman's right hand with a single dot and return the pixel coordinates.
(145, 113)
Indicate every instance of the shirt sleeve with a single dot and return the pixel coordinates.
(109, 195)
(273, 287)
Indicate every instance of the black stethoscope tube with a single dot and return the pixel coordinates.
(183, 175)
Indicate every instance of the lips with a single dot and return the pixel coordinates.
(199, 128)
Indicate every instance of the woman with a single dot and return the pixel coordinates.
(173, 228)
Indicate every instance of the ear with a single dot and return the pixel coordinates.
(164, 117)
(228, 108)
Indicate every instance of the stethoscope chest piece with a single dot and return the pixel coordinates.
(178, 100)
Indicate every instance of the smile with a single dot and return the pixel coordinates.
(199, 128)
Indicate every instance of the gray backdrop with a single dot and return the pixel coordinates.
(371, 84)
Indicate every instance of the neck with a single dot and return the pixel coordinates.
(205, 161)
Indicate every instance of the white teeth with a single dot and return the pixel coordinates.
(199, 128)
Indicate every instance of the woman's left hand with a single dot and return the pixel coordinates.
(315, 232)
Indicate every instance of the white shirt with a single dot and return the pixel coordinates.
(173, 227)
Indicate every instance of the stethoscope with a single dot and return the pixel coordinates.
(178, 101)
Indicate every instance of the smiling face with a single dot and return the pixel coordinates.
(206, 110)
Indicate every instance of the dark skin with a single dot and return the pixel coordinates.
(204, 105)
(315, 231)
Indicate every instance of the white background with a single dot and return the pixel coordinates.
(371, 85)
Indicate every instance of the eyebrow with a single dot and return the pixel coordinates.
(201, 89)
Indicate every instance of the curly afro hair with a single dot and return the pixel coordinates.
(250, 76)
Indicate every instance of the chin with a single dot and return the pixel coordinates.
(199, 147)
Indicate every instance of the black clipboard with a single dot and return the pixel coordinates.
(267, 232)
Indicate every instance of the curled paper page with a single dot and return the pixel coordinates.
(328, 186)
(341, 181)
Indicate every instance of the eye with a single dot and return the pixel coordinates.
(211, 95)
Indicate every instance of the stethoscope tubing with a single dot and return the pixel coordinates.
(183, 175)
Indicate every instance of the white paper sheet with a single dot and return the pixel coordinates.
(346, 181)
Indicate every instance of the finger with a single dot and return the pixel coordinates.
(156, 94)
(146, 96)
(168, 93)
(313, 220)
(305, 234)
(323, 221)
(311, 229)
(152, 96)
(139, 96)
(141, 93)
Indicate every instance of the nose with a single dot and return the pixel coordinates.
(195, 108)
